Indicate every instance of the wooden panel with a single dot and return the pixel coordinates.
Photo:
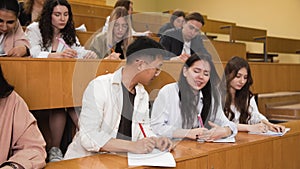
(214, 26)
(275, 77)
(92, 23)
(226, 50)
(282, 45)
(91, 2)
(90, 9)
(243, 33)
(57, 83)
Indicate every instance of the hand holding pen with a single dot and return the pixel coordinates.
(68, 52)
(113, 55)
(162, 143)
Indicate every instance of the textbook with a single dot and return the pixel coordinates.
(272, 133)
(155, 158)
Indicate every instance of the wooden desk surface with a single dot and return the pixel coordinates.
(249, 151)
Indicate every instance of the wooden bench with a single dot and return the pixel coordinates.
(283, 111)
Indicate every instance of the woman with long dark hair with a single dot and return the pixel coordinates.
(240, 106)
(188, 108)
(54, 35)
(22, 144)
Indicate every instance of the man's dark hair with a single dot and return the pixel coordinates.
(195, 16)
(144, 47)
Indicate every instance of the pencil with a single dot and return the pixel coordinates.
(142, 129)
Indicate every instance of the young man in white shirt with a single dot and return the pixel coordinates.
(115, 107)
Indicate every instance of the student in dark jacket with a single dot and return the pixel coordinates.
(182, 43)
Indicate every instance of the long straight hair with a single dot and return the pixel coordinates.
(242, 97)
(210, 94)
(119, 12)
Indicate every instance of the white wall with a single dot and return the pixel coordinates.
(280, 18)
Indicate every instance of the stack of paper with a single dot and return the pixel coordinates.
(155, 158)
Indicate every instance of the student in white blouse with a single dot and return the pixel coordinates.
(114, 106)
(54, 36)
(240, 106)
(191, 107)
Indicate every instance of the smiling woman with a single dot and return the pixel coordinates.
(12, 38)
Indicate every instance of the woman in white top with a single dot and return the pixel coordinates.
(240, 106)
(188, 108)
(54, 35)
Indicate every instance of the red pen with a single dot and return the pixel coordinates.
(142, 129)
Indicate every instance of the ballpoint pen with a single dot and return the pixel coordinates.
(142, 129)
(61, 40)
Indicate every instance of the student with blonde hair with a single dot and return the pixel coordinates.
(113, 43)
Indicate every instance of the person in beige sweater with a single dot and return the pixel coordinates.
(22, 144)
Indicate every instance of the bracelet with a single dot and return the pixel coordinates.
(14, 166)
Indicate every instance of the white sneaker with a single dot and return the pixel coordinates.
(55, 154)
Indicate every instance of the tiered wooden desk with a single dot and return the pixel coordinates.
(58, 83)
(249, 151)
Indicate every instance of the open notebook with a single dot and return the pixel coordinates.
(155, 158)
(272, 133)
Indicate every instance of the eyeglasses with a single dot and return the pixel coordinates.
(157, 68)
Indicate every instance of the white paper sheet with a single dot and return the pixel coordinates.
(272, 133)
(223, 140)
(155, 158)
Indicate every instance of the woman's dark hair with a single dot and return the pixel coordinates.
(45, 24)
(6, 88)
(11, 5)
(175, 15)
(210, 94)
(242, 97)
(124, 3)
